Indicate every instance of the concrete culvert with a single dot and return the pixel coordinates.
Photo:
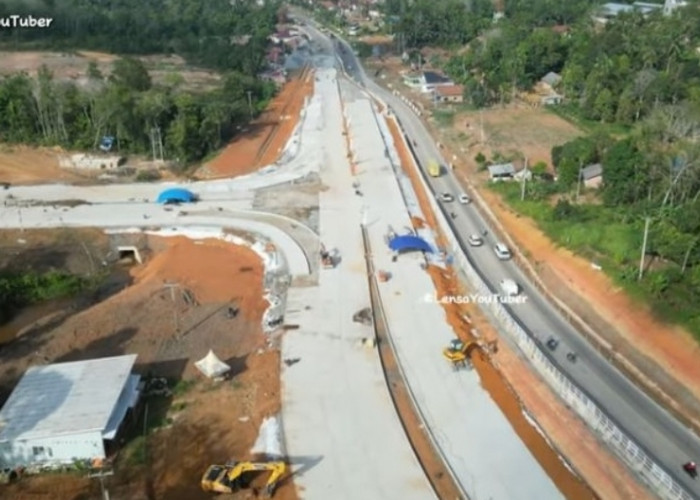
(129, 253)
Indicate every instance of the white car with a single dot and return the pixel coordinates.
(447, 197)
(475, 240)
(502, 251)
(464, 199)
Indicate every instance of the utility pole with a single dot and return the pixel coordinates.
(481, 124)
(101, 476)
(250, 103)
(522, 189)
(160, 143)
(153, 143)
(644, 247)
(176, 319)
(578, 182)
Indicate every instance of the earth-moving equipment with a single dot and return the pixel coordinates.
(457, 353)
(231, 477)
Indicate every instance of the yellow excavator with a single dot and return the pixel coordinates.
(229, 478)
(458, 353)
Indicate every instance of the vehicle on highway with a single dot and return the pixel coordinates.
(434, 169)
(464, 199)
(502, 251)
(509, 287)
(552, 343)
(447, 198)
(475, 240)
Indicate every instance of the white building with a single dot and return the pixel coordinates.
(66, 411)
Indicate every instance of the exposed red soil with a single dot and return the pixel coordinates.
(215, 422)
(262, 143)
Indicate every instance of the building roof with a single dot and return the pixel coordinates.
(592, 171)
(503, 169)
(65, 398)
(449, 90)
(432, 77)
(551, 78)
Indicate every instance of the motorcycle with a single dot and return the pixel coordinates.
(691, 469)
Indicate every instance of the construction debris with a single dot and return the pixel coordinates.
(363, 316)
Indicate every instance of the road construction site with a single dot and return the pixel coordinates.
(320, 219)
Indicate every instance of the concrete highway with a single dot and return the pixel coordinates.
(669, 443)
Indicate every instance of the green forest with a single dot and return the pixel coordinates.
(126, 104)
(633, 84)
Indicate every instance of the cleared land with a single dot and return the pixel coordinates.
(73, 67)
(203, 422)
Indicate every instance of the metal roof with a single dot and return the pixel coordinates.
(432, 77)
(592, 171)
(503, 169)
(65, 398)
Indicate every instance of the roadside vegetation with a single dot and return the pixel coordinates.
(633, 86)
(126, 104)
(19, 290)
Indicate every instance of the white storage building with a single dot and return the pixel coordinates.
(66, 411)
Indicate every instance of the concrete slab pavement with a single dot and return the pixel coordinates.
(336, 406)
(477, 441)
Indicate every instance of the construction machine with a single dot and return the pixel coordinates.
(230, 477)
(458, 353)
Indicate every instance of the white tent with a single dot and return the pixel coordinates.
(211, 366)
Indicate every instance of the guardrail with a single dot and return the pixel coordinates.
(584, 405)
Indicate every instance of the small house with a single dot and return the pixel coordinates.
(592, 175)
(449, 94)
(505, 171)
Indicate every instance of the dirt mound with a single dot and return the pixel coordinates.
(205, 422)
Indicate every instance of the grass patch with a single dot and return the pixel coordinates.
(573, 115)
(444, 117)
(135, 452)
(183, 386)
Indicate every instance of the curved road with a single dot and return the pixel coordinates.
(669, 443)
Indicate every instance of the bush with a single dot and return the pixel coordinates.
(150, 175)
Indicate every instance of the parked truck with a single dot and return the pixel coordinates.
(434, 169)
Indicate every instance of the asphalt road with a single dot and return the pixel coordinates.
(668, 442)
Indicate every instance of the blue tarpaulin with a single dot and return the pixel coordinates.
(410, 242)
(176, 195)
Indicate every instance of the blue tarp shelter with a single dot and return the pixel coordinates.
(410, 242)
(176, 195)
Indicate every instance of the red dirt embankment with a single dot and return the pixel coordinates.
(513, 385)
(262, 143)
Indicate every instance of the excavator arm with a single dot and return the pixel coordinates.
(236, 470)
